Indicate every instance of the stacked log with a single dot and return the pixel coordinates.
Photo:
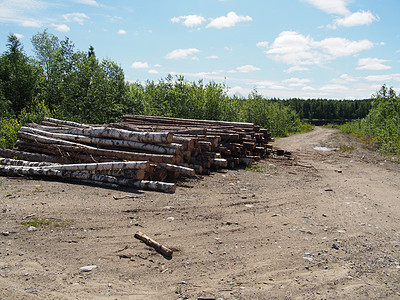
(217, 144)
(142, 151)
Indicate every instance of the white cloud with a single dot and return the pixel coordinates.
(212, 57)
(308, 88)
(18, 11)
(182, 53)
(333, 87)
(384, 78)
(295, 82)
(296, 69)
(338, 47)
(61, 27)
(121, 31)
(295, 49)
(18, 35)
(88, 2)
(344, 79)
(31, 23)
(76, 17)
(230, 20)
(189, 20)
(247, 69)
(338, 7)
(370, 63)
(152, 71)
(262, 44)
(157, 65)
(140, 65)
(355, 19)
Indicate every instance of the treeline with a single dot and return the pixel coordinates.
(324, 111)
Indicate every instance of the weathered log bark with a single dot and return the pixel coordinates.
(42, 171)
(154, 244)
(129, 165)
(188, 121)
(159, 186)
(122, 134)
(32, 156)
(68, 156)
(68, 123)
(80, 148)
(102, 142)
(17, 162)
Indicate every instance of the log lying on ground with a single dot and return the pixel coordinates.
(128, 165)
(152, 243)
(87, 177)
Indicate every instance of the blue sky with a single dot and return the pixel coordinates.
(337, 49)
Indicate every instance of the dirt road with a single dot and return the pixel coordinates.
(321, 225)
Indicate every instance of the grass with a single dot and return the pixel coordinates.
(255, 168)
(46, 223)
(346, 148)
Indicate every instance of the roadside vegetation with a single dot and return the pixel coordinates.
(63, 82)
(382, 124)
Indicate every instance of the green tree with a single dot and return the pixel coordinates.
(18, 78)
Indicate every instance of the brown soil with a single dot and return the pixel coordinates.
(322, 225)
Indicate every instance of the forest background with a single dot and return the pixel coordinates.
(62, 82)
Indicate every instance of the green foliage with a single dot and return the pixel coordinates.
(382, 124)
(324, 111)
(8, 132)
(18, 77)
(272, 115)
(35, 112)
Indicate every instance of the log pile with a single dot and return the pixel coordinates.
(208, 143)
(143, 152)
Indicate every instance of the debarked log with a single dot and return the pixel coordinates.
(154, 244)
